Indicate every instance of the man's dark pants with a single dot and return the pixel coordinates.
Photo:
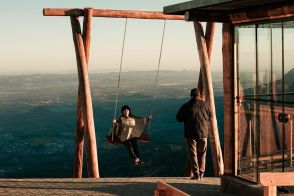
(196, 150)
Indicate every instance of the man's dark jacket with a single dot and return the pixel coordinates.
(196, 116)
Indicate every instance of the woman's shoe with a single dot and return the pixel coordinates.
(141, 162)
(136, 161)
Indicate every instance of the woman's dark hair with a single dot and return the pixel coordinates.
(124, 108)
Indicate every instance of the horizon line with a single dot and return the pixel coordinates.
(92, 72)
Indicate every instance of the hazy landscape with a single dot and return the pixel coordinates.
(37, 122)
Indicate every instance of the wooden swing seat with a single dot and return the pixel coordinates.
(115, 140)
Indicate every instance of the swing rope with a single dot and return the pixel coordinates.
(157, 72)
(119, 76)
(120, 66)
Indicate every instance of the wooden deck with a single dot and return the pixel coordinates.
(107, 186)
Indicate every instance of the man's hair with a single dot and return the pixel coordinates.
(124, 108)
(195, 92)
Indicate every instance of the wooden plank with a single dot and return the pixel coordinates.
(272, 12)
(228, 78)
(165, 189)
(276, 178)
(112, 13)
(86, 100)
(80, 132)
(207, 84)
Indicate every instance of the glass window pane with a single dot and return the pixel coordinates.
(261, 95)
(246, 63)
(263, 60)
(246, 59)
(289, 93)
(247, 136)
(277, 61)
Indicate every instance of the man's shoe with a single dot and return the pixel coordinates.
(195, 178)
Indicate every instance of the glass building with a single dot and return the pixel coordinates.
(264, 64)
(258, 66)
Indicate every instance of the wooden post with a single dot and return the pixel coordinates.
(85, 94)
(79, 144)
(210, 29)
(270, 191)
(207, 84)
(80, 132)
(228, 78)
(209, 33)
(87, 30)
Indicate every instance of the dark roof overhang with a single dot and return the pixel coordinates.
(235, 11)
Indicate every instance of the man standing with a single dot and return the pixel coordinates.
(196, 116)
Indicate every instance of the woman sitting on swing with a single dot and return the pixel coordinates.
(128, 128)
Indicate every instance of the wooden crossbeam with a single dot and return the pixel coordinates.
(112, 13)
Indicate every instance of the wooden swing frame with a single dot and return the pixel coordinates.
(85, 121)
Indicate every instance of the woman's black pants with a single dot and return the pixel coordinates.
(132, 147)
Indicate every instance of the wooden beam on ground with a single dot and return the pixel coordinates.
(270, 181)
(112, 14)
(80, 132)
(86, 100)
(164, 189)
(276, 178)
(207, 84)
(228, 82)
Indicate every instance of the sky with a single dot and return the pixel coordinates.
(34, 44)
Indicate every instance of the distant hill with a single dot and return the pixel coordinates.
(62, 89)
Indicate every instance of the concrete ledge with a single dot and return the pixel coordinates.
(240, 187)
(142, 186)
